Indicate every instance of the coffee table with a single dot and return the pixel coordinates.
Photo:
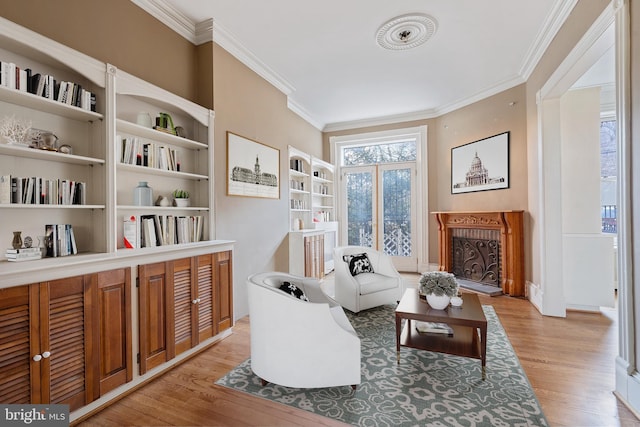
(467, 321)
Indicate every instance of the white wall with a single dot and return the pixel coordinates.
(587, 254)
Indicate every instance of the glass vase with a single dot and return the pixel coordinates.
(16, 243)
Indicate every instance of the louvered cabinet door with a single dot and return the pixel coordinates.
(15, 346)
(223, 290)
(114, 321)
(185, 303)
(206, 296)
(155, 334)
(67, 359)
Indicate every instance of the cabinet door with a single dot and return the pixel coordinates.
(314, 256)
(224, 290)
(113, 317)
(184, 303)
(15, 346)
(154, 325)
(206, 297)
(65, 321)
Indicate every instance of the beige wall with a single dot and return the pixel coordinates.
(124, 35)
(248, 105)
(477, 121)
(117, 32)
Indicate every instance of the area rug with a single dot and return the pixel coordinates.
(426, 389)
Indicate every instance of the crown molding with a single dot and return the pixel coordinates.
(424, 114)
(300, 111)
(204, 31)
(230, 43)
(169, 16)
(552, 25)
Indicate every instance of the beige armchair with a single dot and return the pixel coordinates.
(302, 343)
(362, 283)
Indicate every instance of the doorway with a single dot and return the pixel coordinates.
(380, 210)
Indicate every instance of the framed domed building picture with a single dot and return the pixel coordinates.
(481, 165)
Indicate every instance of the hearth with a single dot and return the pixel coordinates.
(483, 247)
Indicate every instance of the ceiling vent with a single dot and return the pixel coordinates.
(406, 31)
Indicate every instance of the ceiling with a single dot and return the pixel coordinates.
(324, 56)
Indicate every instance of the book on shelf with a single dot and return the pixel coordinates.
(60, 240)
(5, 189)
(23, 250)
(24, 257)
(143, 231)
(434, 328)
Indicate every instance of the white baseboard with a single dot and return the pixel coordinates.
(627, 387)
(534, 294)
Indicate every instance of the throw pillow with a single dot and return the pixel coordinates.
(292, 289)
(358, 263)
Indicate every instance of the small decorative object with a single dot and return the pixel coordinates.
(48, 141)
(456, 301)
(181, 132)
(164, 123)
(144, 119)
(65, 149)
(180, 198)
(16, 243)
(162, 201)
(28, 242)
(438, 288)
(15, 131)
(143, 194)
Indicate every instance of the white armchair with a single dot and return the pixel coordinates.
(296, 343)
(365, 289)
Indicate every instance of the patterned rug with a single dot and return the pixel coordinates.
(426, 389)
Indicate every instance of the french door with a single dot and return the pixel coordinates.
(380, 210)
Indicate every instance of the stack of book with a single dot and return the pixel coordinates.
(23, 254)
(434, 328)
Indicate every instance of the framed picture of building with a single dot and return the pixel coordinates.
(481, 165)
(253, 169)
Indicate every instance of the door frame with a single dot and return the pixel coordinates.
(422, 180)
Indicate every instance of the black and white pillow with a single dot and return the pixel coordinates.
(292, 289)
(358, 263)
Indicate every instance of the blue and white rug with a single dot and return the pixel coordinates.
(425, 389)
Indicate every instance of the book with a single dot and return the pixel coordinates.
(131, 232)
(24, 255)
(20, 258)
(5, 189)
(434, 328)
(23, 250)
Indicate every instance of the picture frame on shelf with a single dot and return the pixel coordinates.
(481, 165)
(253, 168)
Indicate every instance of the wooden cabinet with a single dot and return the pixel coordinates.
(224, 288)
(113, 317)
(182, 303)
(60, 341)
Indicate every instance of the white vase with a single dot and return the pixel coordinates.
(438, 302)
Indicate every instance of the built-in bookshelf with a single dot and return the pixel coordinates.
(299, 189)
(90, 108)
(166, 161)
(47, 187)
(322, 191)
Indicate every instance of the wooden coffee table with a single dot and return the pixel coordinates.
(468, 323)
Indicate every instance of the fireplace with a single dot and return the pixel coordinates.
(485, 247)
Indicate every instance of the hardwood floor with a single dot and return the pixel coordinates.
(570, 363)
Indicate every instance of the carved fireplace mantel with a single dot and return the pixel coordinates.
(509, 224)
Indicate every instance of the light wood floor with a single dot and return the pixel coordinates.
(570, 364)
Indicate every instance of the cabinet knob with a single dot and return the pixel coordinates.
(37, 358)
(46, 354)
(195, 301)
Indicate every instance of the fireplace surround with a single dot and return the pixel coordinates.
(502, 229)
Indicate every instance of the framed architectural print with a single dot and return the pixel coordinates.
(253, 169)
(481, 165)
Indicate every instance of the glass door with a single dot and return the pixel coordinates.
(381, 210)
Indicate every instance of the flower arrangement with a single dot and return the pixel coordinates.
(438, 283)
